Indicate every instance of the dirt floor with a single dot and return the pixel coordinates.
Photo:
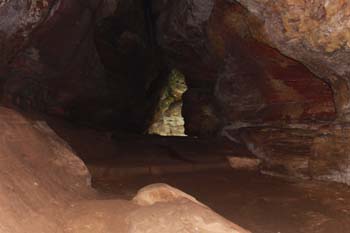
(262, 204)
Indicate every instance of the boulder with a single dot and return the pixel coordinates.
(167, 209)
(155, 193)
(156, 208)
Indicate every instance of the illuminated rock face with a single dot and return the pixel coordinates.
(168, 119)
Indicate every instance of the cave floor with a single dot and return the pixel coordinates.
(261, 204)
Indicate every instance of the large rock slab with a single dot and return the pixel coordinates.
(40, 176)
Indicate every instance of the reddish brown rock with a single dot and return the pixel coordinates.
(167, 209)
(253, 81)
(311, 151)
(312, 32)
(45, 188)
(156, 208)
(257, 82)
(40, 176)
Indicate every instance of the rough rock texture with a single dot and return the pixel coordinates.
(39, 176)
(274, 72)
(256, 82)
(244, 78)
(313, 32)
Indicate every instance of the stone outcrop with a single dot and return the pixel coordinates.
(167, 209)
(315, 33)
(39, 176)
(243, 77)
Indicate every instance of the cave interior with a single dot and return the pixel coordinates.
(243, 104)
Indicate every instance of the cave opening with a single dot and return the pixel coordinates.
(240, 104)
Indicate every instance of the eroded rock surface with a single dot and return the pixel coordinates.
(313, 32)
(40, 176)
(243, 77)
(314, 151)
(265, 67)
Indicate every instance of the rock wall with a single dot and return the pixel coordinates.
(217, 45)
(272, 71)
(90, 62)
(49, 60)
(314, 33)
